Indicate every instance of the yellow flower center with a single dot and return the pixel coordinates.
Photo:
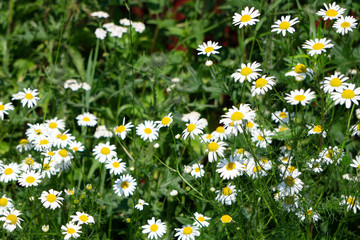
(282, 129)
(191, 127)
(29, 96)
(12, 218)
(125, 185)
(345, 25)
(24, 141)
(165, 121)
(226, 219)
(331, 13)
(309, 212)
(83, 218)
(197, 169)
(299, 98)
(30, 179)
(283, 115)
(75, 149)
(63, 153)
(220, 129)
(201, 219)
(2, 107)
(285, 159)
(300, 68)
(246, 71)
(187, 230)
(147, 130)
(317, 129)
(226, 191)
(154, 227)
(230, 166)
(236, 116)
(257, 169)
(284, 25)
(51, 153)
(120, 129)
(29, 161)
(358, 127)
(105, 151)
(249, 124)
(51, 198)
(290, 181)
(209, 49)
(86, 119)
(260, 83)
(240, 150)
(116, 164)
(8, 171)
(318, 46)
(3, 202)
(261, 138)
(291, 169)
(289, 200)
(348, 94)
(264, 160)
(71, 230)
(44, 142)
(53, 125)
(213, 146)
(335, 82)
(208, 136)
(245, 18)
(330, 153)
(63, 137)
(46, 166)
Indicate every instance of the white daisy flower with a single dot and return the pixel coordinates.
(155, 229)
(76, 146)
(187, 232)
(356, 163)
(238, 115)
(187, 169)
(201, 220)
(27, 97)
(214, 149)
(345, 24)
(55, 124)
(24, 145)
(125, 185)
(4, 108)
(72, 84)
(318, 46)
(62, 140)
(5, 203)
(284, 25)
(230, 169)
(140, 204)
(70, 191)
(51, 199)
(247, 17)
(330, 154)
(86, 119)
(351, 203)
(206, 138)
(193, 128)
(335, 82)
(71, 230)
(11, 219)
(115, 166)
(289, 202)
(100, 14)
(45, 228)
(104, 152)
(347, 96)
(262, 85)
(300, 96)
(332, 11)
(281, 116)
(291, 185)
(9, 172)
(208, 48)
(82, 218)
(29, 179)
(165, 121)
(35, 131)
(315, 165)
(209, 63)
(254, 170)
(261, 138)
(247, 72)
(219, 133)
(314, 216)
(300, 72)
(197, 170)
(101, 131)
(147, 131)
(316, 129)
(227, 195)
(100, 33)
(48, 168)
